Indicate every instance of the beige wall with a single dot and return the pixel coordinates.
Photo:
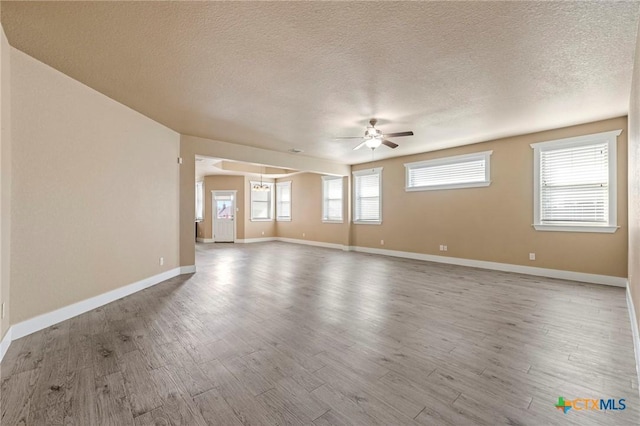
(306, 212)
(494, 223)
(222, 183)
(95, 192)
(634, 184)
(5, 181)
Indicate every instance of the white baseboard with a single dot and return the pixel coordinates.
(4, 343)
(311, 243)
(43, 321)
(634, 330)
(506, 267)
(204, 240)
(191, 269)
(256, 240)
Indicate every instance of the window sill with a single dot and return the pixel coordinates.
(284, 219)
(577, 228)
(367, 222)
(261, 220)
(332, 221)
(448, 186)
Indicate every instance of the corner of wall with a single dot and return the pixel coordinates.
(5, 183)
(634, 184)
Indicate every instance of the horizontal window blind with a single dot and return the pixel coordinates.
(575, 184)
(332, 199)
(260, 195)
(447, 174)
(367, 197)
(260, 210)
(261, 203)
(283, 200)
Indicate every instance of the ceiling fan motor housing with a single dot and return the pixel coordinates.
(372, 132)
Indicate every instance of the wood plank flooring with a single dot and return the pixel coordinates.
(283, 334)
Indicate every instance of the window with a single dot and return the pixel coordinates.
(199, 200)
(461, 171)
(283, 201)
(332, 199)
(368, 196)
(575, 184)
(224, 206)
(261, 202)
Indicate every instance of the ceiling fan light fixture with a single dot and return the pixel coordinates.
(372, 132)
(373, 143)
(374, 137)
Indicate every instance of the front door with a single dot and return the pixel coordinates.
(224, 209)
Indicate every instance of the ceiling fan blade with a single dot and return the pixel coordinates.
(348, 137)
(398, 134)
(389, 144)
(360, 146)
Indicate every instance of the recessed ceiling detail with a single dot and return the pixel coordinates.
(206, 166)
(280, 74)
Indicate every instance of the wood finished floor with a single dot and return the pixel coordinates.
(276, 333)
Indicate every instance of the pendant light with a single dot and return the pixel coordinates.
(261, 186)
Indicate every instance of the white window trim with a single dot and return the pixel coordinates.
(485, 155)
(377, 170)
(611, 139)
(200, 190)
(271, 206)
(324, 179)
(284, 218)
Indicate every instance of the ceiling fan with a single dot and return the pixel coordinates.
(374, 137)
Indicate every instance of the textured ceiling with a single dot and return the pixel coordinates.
(280, 75)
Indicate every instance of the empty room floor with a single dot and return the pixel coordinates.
(277, 333)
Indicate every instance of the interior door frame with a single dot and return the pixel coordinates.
(214, 211)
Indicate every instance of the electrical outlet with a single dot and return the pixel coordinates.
(441, 247)
(161, 261)
(445, 248)
(381, 242)
(262, 232)
(532, 256)
(304, 235)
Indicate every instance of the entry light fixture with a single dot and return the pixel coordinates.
(261, 186)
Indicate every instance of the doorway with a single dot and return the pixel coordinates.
(223, 210)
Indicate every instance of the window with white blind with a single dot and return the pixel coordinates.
(460, 171)
(261, 203)
(367, 197)
(575, 184)
(283, 201)
(199, 200)
(332, 199)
